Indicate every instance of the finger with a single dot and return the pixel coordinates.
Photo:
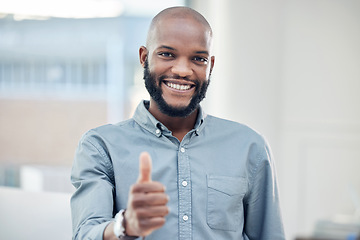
(148, 200)
(155, 211)
(147, 187)
(144, 167)
(150, 224)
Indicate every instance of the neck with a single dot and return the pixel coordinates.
(179, 126)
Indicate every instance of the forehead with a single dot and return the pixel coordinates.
(181, 33)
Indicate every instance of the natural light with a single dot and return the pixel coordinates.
(43, 9)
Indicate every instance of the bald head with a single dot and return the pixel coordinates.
(176, 13)
(177, 62)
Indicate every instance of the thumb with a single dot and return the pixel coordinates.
(144, 167)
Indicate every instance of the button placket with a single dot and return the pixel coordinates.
(185, 205)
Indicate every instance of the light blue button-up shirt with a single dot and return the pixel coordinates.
(220, 179)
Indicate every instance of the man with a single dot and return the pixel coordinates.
(208, 178)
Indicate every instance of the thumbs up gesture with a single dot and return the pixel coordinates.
(146, 208)
(145, 165)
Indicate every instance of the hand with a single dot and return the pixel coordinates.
(146, 208)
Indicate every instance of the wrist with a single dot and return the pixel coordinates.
(120, 226)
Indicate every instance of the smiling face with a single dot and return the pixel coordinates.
(177, 64)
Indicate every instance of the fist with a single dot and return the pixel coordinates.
(146, 209)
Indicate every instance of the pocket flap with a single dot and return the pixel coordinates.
(228, 185)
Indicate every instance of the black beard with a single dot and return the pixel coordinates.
(156, 94)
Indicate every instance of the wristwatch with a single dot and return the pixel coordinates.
(119, 228)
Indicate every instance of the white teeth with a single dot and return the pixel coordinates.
(178, 86)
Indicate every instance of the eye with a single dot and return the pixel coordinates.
(166, 54)
(200, 60)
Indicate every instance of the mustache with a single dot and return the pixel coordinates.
(163, 77)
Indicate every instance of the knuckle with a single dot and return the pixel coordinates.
(137, 200)
(161, 222)
(166, 198)
(135, 188)
(167, 210)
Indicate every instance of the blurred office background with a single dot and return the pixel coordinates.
(288, 68)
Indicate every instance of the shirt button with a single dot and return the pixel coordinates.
(184, 183)
(182, 150)
(157, 131)
(185, 217)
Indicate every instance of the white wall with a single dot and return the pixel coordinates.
(34, 215)
(321, 112)
(291, 69)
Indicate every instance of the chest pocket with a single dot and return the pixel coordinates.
(225, 202)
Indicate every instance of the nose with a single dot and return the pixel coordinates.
(182, 68)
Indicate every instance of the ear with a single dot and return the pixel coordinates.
(212, 62)
(143, 53)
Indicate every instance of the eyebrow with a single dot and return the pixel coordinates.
(171, 48)
(167, 47)
(202, 52)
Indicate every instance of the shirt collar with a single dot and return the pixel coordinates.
(146, 120)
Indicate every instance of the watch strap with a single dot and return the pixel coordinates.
(119, 226)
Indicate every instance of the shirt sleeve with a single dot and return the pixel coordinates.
(262, 210)
(92, 202)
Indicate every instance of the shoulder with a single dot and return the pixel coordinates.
(233, 128)
(109, 131)
(109, 128)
